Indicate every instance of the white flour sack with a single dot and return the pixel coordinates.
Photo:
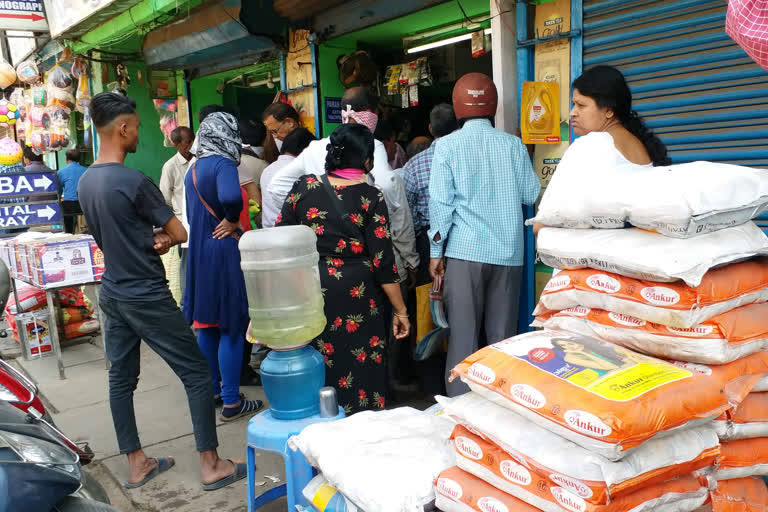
(679, 201)
(384, 461)
(721, 339)
(649, 256)
(748, 420)
(603, 397)
(671, 304)
(524, 453)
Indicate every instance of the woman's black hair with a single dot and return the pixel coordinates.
(608, 87)
(252, 132)
(351, 146)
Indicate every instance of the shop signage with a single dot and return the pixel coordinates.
(27, 184)
(20, 215)
(333, 110)
(65, 14)
(22, 15)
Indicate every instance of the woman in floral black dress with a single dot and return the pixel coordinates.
(357, 267)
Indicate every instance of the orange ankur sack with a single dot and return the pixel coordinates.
(739, 459)
(603, 397)
(459, 491)
(748, 420)
(740, 495)
(671, 304)
(721, 339)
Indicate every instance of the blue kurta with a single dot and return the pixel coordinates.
(215, 291)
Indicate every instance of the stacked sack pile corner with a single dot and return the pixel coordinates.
(647, 388)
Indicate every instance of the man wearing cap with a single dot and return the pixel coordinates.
(479, 181)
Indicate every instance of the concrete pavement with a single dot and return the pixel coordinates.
(80, 407)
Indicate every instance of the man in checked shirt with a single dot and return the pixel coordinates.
(480, 179)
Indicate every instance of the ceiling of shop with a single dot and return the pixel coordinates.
(296, 10)
(391, 33)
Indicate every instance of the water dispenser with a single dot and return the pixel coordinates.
(285, 304)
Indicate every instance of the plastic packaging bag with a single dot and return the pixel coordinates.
(644, 255)
(59, 78)
(673, 304)
(721, 339)
(326, 498)
(524, 452)
(742, 458)
(740, 495)
(679, 201)
(382, 461)
(27, 72)
(603, 397)
(83, 97)
(746, 421)
(459, 491)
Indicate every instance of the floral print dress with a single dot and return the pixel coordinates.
(352, 270)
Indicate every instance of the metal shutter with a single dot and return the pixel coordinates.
(696, 88)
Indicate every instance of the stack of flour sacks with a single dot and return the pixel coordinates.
(647, 389)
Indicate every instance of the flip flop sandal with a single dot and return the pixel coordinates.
(163, 465)
(241, 471)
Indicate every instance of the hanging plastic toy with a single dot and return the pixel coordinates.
(9, 113)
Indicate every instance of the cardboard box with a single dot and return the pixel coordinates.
(61, 263)
(98, 261)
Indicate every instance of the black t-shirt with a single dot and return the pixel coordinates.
(122, 207)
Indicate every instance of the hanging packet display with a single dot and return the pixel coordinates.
(649, 256)
(671, 304)
(603, 397)
(721, 339)
(524, 452)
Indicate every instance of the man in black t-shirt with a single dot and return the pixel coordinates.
(133, 226)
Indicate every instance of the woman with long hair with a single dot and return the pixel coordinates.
(609, 129)
(357, 267)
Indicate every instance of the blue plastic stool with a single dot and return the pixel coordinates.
(271, 435)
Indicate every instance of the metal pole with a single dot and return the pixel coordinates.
(54, 330)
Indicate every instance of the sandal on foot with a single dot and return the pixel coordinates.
(163, 465)
(219, 403)
(246, 407)
(241, 471)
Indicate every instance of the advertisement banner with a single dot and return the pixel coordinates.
(22, 15)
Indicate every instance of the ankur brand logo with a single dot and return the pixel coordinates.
(488, 504)
(481, 373)
(571, 484)
(528, 396)
(450, 488)
(587, 423)
(515, 473)
(660, 295)
(576, 311)
(626, 320)
(603, 283)
(557, 283)
(568, 500)
(468, 448)
(697, 330)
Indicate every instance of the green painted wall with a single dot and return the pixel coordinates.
(203, 92)
(330, 87)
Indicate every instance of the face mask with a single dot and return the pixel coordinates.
(279, 144)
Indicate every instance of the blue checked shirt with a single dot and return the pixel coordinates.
(480, 179)
(416, 177)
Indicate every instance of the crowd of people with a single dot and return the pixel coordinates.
(444, 209)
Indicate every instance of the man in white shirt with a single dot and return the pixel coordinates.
(293, 145)
(172, 188)
(358, 106)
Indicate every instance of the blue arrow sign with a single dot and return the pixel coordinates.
(20, 215)
(27, 184)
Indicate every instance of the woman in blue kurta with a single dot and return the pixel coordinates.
(215, 301)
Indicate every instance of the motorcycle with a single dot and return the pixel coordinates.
(40, 467)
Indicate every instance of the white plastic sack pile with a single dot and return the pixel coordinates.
(592, 477)
(680, 201)
(382, 461)
(649, 256)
